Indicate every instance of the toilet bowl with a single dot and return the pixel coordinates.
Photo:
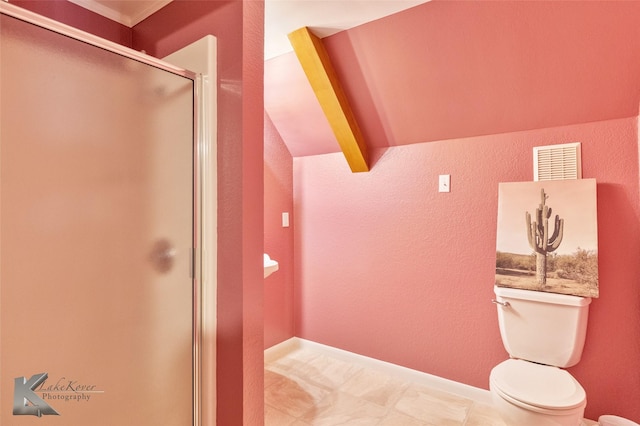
(609, 420)
(532, 394)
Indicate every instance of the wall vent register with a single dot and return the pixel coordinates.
(556, 162)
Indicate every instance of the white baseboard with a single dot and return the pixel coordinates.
(293, 344)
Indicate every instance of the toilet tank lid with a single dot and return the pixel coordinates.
(538, 385)
(542, 296)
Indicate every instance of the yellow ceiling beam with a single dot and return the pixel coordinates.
(325, 84)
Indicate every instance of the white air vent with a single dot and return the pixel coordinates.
(557, 162)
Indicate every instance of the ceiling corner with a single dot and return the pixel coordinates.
(128, 13)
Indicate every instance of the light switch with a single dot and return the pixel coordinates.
(285, 219)
(444, 183)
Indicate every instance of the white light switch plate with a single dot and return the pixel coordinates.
(444, 183)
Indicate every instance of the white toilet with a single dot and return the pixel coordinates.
(543, 333)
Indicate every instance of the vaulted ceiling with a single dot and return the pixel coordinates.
(417, 71)
(447, 69)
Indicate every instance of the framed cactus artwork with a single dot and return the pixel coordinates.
(547, 236)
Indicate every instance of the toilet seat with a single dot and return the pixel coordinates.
(542, 388)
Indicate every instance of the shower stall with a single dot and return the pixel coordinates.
(102, 155)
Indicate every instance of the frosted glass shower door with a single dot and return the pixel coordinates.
(96, 230)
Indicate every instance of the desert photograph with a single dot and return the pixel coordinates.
(547, 237)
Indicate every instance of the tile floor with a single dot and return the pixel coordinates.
(305, 386)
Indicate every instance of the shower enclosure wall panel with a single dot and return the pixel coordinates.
(96, 235)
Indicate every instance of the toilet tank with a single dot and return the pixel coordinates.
(547, 328)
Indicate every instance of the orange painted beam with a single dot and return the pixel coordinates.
(325, 84)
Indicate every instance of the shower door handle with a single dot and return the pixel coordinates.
(162, 255)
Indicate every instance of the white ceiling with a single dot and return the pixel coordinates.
(325, 17)
(127, 12)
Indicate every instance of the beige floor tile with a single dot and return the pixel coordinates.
(339, 408)
(328, 372)
(294, 361)
(433, 407)
(305, 388)
(398, 419)
(374, 386)
(275, 417)
(483, 415)
(271, 377)
(294, 396)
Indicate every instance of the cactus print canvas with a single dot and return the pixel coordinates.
(547, 236)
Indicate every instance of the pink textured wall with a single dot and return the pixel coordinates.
(388, 267)
(278, 241)
(453, 69)
(238, 26)
(286, 88)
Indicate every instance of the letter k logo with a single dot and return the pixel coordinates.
(23, 395)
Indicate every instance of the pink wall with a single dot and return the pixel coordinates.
(278, 241)
(454, 69)
(388, 267)
(238, 27)
(294, 109)
(492, 67)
